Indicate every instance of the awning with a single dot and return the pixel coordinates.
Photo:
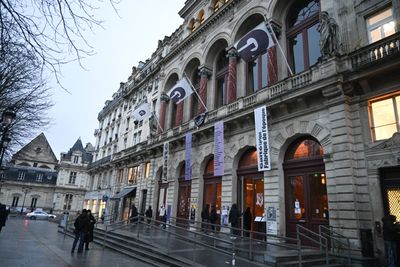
(126, 192)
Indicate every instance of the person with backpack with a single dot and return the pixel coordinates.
(82, 225)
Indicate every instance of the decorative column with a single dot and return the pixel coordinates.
(163, 107)
(272, 66)
(204, 74)
(231, 88)
(179, 114)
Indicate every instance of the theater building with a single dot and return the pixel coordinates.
(329, 82)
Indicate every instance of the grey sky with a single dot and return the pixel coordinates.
(124, 42)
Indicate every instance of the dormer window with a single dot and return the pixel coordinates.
(76, 159)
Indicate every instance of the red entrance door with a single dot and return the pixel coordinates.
(305, 186)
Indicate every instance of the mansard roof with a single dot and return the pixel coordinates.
(37, 150)
(86, 156)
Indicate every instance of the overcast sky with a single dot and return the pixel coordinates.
(127, 39)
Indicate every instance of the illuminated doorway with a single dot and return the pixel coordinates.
(305, 186)
(184, 192)
(212, 189)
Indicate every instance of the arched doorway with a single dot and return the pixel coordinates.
(184, 191)
(212, 188)
(305, 186)
(251, 188)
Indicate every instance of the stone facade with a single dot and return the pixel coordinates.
(328, 100)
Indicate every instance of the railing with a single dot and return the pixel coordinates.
(314, 238)
(384, 48)
(338, 242)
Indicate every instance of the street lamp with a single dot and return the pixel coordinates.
(7, 118)
(26, 190)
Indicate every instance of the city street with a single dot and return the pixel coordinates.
(37, 243)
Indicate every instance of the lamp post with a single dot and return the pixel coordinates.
(8, 117)
(25, 190)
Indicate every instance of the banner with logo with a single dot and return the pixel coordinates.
(188, 156)
(180, 91)
(262, 142)
(255, 42)
(141, 112)
(165, 161)
(219, 148)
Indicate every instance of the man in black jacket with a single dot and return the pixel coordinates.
(82, 225)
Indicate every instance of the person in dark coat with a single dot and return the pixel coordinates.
(234, 216)
(89, 236)
(391, 237)
(149, 215)
(3, 215)
(247, 221)
(134, 214)
(205, 217)
(82, 225)
(213, 217)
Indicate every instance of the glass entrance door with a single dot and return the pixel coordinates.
(184, 202)
(212, 195)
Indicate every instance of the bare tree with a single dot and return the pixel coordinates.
(23, 89)
(52, 30)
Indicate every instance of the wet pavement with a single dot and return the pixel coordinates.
(37, 243)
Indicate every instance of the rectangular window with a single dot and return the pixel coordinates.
(380, 25)
(384, 114)
(147, 170)
(39, 177)
(68, 201)
(72, 178)
(15, 201)
(133, 174)
(33, 202)
(76, 159)
(21, 175)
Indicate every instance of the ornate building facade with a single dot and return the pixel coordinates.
(329, 85)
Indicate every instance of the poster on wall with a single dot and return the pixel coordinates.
(262, 139)
(188, 156)
(165, 162)
(272, 225)
(219, 148)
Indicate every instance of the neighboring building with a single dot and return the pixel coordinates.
(73, 178)
(333, 124)
(30, 180)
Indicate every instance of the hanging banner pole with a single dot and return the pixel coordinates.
(194, 90)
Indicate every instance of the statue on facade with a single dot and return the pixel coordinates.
(329, 41)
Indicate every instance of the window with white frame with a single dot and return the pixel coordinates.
(72, 178)
(21, 175)
(39, 177)
(68, 201)
(76, 159)
(384, 116)
(380, 25)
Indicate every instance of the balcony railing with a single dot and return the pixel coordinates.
(99, 162)
(385, 48)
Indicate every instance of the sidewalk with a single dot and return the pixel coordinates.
(37, 243)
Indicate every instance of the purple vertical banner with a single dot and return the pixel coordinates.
(219, 148)
(188, 155)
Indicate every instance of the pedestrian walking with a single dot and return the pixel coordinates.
(391, 237)
(3, 215)
(205, 218)
(162, 215)
(81, 228)
(149, 215)
(89, 236)
(213, 217)
(134, 214)
(247, 221)
(234, 216)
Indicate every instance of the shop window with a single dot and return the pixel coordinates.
(303, 37)
(221, 79)
(380, 25)
(384, 114)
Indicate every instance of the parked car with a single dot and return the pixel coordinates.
(41, 215)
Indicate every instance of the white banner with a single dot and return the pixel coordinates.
(165, 162)
(262, 139)
(219, 148)
(180, 91)
(141, 112)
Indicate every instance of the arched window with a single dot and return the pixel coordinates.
(201, 17)
(221, 78)
(304, 149)
(217, 5)
(249, 159)
(192, 25)
(303, 37)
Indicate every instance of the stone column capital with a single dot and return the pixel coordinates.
(204, 72)
(232, 53)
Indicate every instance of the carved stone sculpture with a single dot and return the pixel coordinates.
(329, 41)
